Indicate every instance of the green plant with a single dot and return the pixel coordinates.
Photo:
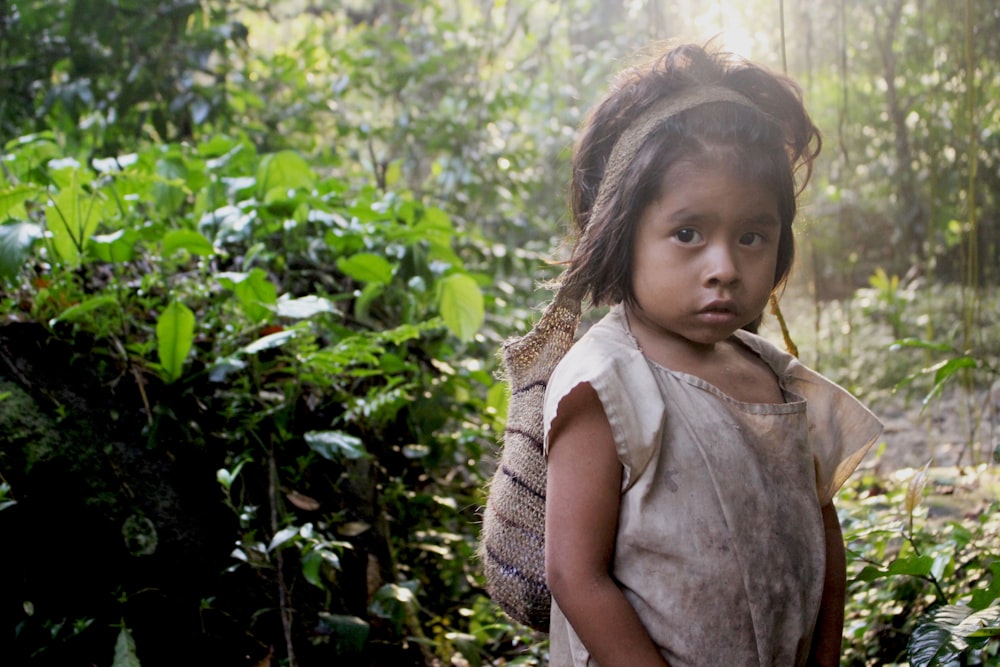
(318, 336)
(911, 573)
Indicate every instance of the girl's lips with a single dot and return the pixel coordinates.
(719, 307)
(718, 313)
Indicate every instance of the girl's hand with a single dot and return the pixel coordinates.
(581, 520)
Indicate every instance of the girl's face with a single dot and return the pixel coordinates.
(704, 254)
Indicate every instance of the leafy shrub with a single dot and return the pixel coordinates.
(311, 344)
(918, 568)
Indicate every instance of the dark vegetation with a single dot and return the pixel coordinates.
(256, 263)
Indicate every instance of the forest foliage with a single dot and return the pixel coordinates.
(257, 260)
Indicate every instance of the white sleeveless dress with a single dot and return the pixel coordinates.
(720, 544)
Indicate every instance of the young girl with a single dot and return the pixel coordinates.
(692, 465)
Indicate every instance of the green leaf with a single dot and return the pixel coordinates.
(349, 634)
(16, 242)
(311, 568)
(943, 371)
(270, 341)
(931, 644)
(952, 366)
(870, 573)
(283, 536)
(304, 307)
(312, 565)
(227, 477)
(168, 196)
(461, 304)
(125, 655)
(943, 636)
(363, 304)
(11, 200)
(920, 344)
(186, 239)
(255, 293)
(80, 310)
(919, 566)
(497, 399)
(392, 602)
(984, 597)
(279, 173)
(366, 267)
(72, 217)
(334, 444)
(174, 338)
(116, 247)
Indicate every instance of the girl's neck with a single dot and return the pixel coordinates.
(728, 364)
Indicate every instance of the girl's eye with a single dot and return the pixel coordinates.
(752, 239)
(687, 235)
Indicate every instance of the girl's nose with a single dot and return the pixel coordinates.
(721, 266)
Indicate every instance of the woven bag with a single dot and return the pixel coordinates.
(512, 540)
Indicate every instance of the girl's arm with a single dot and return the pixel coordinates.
(581, 519)
(830, 624)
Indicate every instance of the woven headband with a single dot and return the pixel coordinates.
(635, 135)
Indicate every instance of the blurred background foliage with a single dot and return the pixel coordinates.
(257, 259)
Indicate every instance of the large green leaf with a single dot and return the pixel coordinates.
(279, 173)
(984, 597)
(16, 241)
(186, 239)
(918, 566)
(349, 634)
(256, 294)
(84, 308)
(174, 337)
(11, 200)
(366, 267)
(168, 195)
(461, 304)
(125, 654)
(312, 565)
(943, 636)
(115, 247)
(72, 217)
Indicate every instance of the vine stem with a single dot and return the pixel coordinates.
(284, 608)
(790, 345)
(909, 537)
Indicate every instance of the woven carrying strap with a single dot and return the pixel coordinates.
(512, 542)
(628, 144)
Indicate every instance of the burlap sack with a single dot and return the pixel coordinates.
(512, 541)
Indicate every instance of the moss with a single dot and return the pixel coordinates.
(30, 434)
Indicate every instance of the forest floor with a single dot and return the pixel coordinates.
(963, 478)
(954, 430)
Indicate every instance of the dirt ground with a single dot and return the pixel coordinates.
(963, 479)
(940, 432)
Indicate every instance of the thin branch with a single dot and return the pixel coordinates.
(283, 604)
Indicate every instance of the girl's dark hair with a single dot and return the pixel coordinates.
(768, 142)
